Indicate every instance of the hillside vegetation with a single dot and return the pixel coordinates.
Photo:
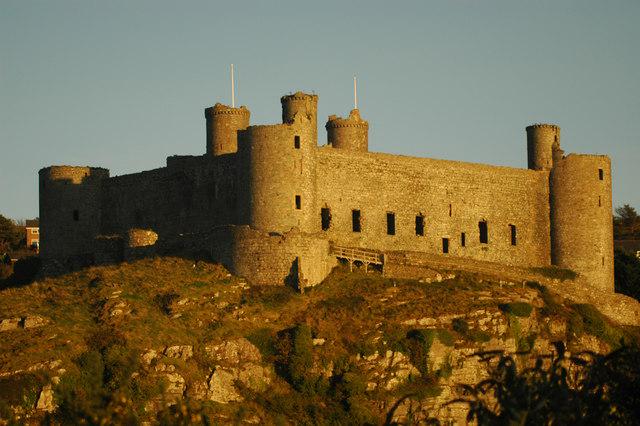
(126, 343)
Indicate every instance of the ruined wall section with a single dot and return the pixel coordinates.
(581, 218)
(351, 133)
(70, 211)
(191, 194)
(453, 197)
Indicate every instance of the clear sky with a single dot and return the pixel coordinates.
(122, 84)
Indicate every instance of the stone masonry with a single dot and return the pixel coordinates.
(269, 203)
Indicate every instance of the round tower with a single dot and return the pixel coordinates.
(542, 141)
(581, 218)
(223, 124)
(350, 133)
(279, 176)
(304, 105)
(70, 211)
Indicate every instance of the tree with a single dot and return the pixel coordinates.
(10, 236)
(583, 390)
(626, 222)
(627, 274)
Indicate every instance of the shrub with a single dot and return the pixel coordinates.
(594, 323)
(263, 339)
(22, 389)
(627, 274)
(25, 270)
(164, 301)
(460, 325)
(519, 309)
(478, 336)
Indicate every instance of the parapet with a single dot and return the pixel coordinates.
(223, 124)
(221, 109)
(542, 141)
(351, 133)
(74, 174)
(299, 103)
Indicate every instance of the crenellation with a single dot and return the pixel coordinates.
(268, 203)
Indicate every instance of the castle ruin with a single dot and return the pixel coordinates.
(274, 207)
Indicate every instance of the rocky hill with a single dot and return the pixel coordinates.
(169, 340)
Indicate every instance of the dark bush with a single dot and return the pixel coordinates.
(165, 300)
(25, 270)
(460, 325)
(627, 274)
(519, 309)
(593, 320)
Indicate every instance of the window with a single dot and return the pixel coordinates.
(296, 142)
(325, 218)
(599, 201)
(445, 245)
(450, 210)
(391, 224)
(512, 228)
(420, 225)
(601, 174)
(76, 215)
(484, 232)
(298, 202)
(355, 220)
(463, 239)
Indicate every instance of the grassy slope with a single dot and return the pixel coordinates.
(173, 301)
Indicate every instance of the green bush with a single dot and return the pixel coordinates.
(627, 274)
(519, 309)
(594, 323)
(478, 336)
(264, 340)
(460, 325)
(165, 300)
(22, 389)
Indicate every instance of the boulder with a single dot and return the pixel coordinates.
(45, 400)
(223, 381)
(234, 351)
(10, 324)
(34, 321)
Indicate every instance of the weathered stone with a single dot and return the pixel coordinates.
(34, 321)
(176, 384)
(234, 351)
(222, 387)
(10, 324)
(183, 352)
(45, 400)
(149, 356)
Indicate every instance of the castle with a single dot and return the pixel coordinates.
(273, 206)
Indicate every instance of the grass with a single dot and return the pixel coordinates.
(355, 313)
(554, 272)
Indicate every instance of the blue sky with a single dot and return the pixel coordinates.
(123, 84)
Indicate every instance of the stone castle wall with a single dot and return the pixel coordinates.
(452, 197)
(273, 179)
